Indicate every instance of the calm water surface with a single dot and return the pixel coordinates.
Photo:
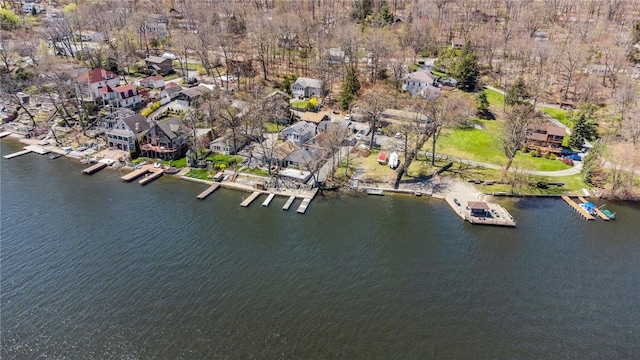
(94, 268)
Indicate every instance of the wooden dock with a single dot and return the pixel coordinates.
(94, 168)
(304, 205)
(208, 192)
(4, 134)
(250, 198)
(287, 205)
(577, 208)
(150, 177)
(134, 174)
(268, 200)
(16, 154)
(37, 149)
(598, 212)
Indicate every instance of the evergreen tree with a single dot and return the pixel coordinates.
(593, 172)
(350, 89)
(635, 33)
(517, 94)
(465, 69)
(584, 126)
(482, 104)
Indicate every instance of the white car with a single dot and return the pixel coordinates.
(169, 56)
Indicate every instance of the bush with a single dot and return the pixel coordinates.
(150, 108)
(552, 156)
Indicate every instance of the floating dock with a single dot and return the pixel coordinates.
(16, 154)
(134, 174)
(303, 206)
(150, 177)
(577, 208)
(250, 198)
(208, 192)
(287, 205)
(598, 212)
(268, 201)
(4, 134)
(37, 149)
(94, 168)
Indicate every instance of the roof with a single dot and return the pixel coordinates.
(382, 157)
(302, 127)
(308, 82)
(285, 149)
(124, 88)
(547, 129)
(97, 75)
(170, 127)
(155, 59)
(420, 76)
(154, 78)
(131, 121)
(320, 141)
(172, 89)
(312, 117)
(301, 157)
(278, 92)
(478, 205)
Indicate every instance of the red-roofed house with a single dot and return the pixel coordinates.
(121, 96)
(91, 82)
(152, 82)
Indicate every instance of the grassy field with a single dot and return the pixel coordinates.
(495, 98)
(483, 145)
(558, 114)
(374, 171)
(273, 128)
(300, 104)
(198, 174)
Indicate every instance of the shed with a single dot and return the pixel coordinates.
(478, 208)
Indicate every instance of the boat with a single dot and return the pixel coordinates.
(393, 160)
(609, 214)
(374, 192)
(456, 201)
(589, 207)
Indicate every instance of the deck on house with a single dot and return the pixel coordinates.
(94, 168)
(304, 205)
(290, 201)
(598, 212)
(150, 177)
(209, 191)
(250, 198)
(268, 200)
(577, 208)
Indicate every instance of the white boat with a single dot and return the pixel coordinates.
(393, 160)
(374, 191)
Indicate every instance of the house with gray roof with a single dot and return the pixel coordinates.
(307, 87)
(166, 139)
(421, 83)
(298, 133)
(127, 130)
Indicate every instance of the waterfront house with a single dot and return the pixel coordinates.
(91, 82)
(159, 65)
(318, 145)
(126, 131)
(121, 96)
(225, 145)
(298, 133)
(166, 139)
(110, 120)
(282, 152)
(545, 138)
(307, 87)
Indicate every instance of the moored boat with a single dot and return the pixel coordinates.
(610, 215)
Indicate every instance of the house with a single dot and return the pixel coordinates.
(127, 130)
(121, 96)
(298, 133)
(169, 93)
(187, 96)
(152, 82)
(479, 209)
(109, 121)
(282, 152)
(314, 118)
(91, 82)
(318, 145)
(335, 56)
(165, 140)
(416, 83)
(307, 87)
(276, 105)
(31, 8)
(546, 138)
(159, 65)
(89, 35)
(156, 26)
(225, 144)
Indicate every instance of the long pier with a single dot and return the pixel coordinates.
(577, 208)
(250, 198)
(303, 206)
(598, 212)
(150, 177)
(208, 192)
(290, 201)
(94, 168)
(4, 134)
(134, 174)
(16, 154)
(268, 200)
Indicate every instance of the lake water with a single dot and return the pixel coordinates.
(95, 268)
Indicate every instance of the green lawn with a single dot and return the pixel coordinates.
(178, 163)
(558, 114)
(495, 98)
(300, 104)
(273, 128)
(484, 146)
(198, 174)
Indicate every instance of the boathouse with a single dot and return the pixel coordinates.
(479, 209)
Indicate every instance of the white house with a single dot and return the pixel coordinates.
(169, 93)
(298, 133)
(91, 82)
(31, 8)
(151, 82)
(224, 144)
(110, 120)
(307, 87)
(121, 96)
(124, 134)
(416, 83)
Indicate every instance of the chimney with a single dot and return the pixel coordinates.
(137, 127)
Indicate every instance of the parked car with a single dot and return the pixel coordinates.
(575, 157)
(360, 134)
(192, 81)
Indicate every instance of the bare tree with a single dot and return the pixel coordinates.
(442, 112)
(517, 122)
(372, 103)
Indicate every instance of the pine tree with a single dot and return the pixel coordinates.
(584, 126)
(482, 104)
(517, 94)
(465, 69)
(350, 89)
